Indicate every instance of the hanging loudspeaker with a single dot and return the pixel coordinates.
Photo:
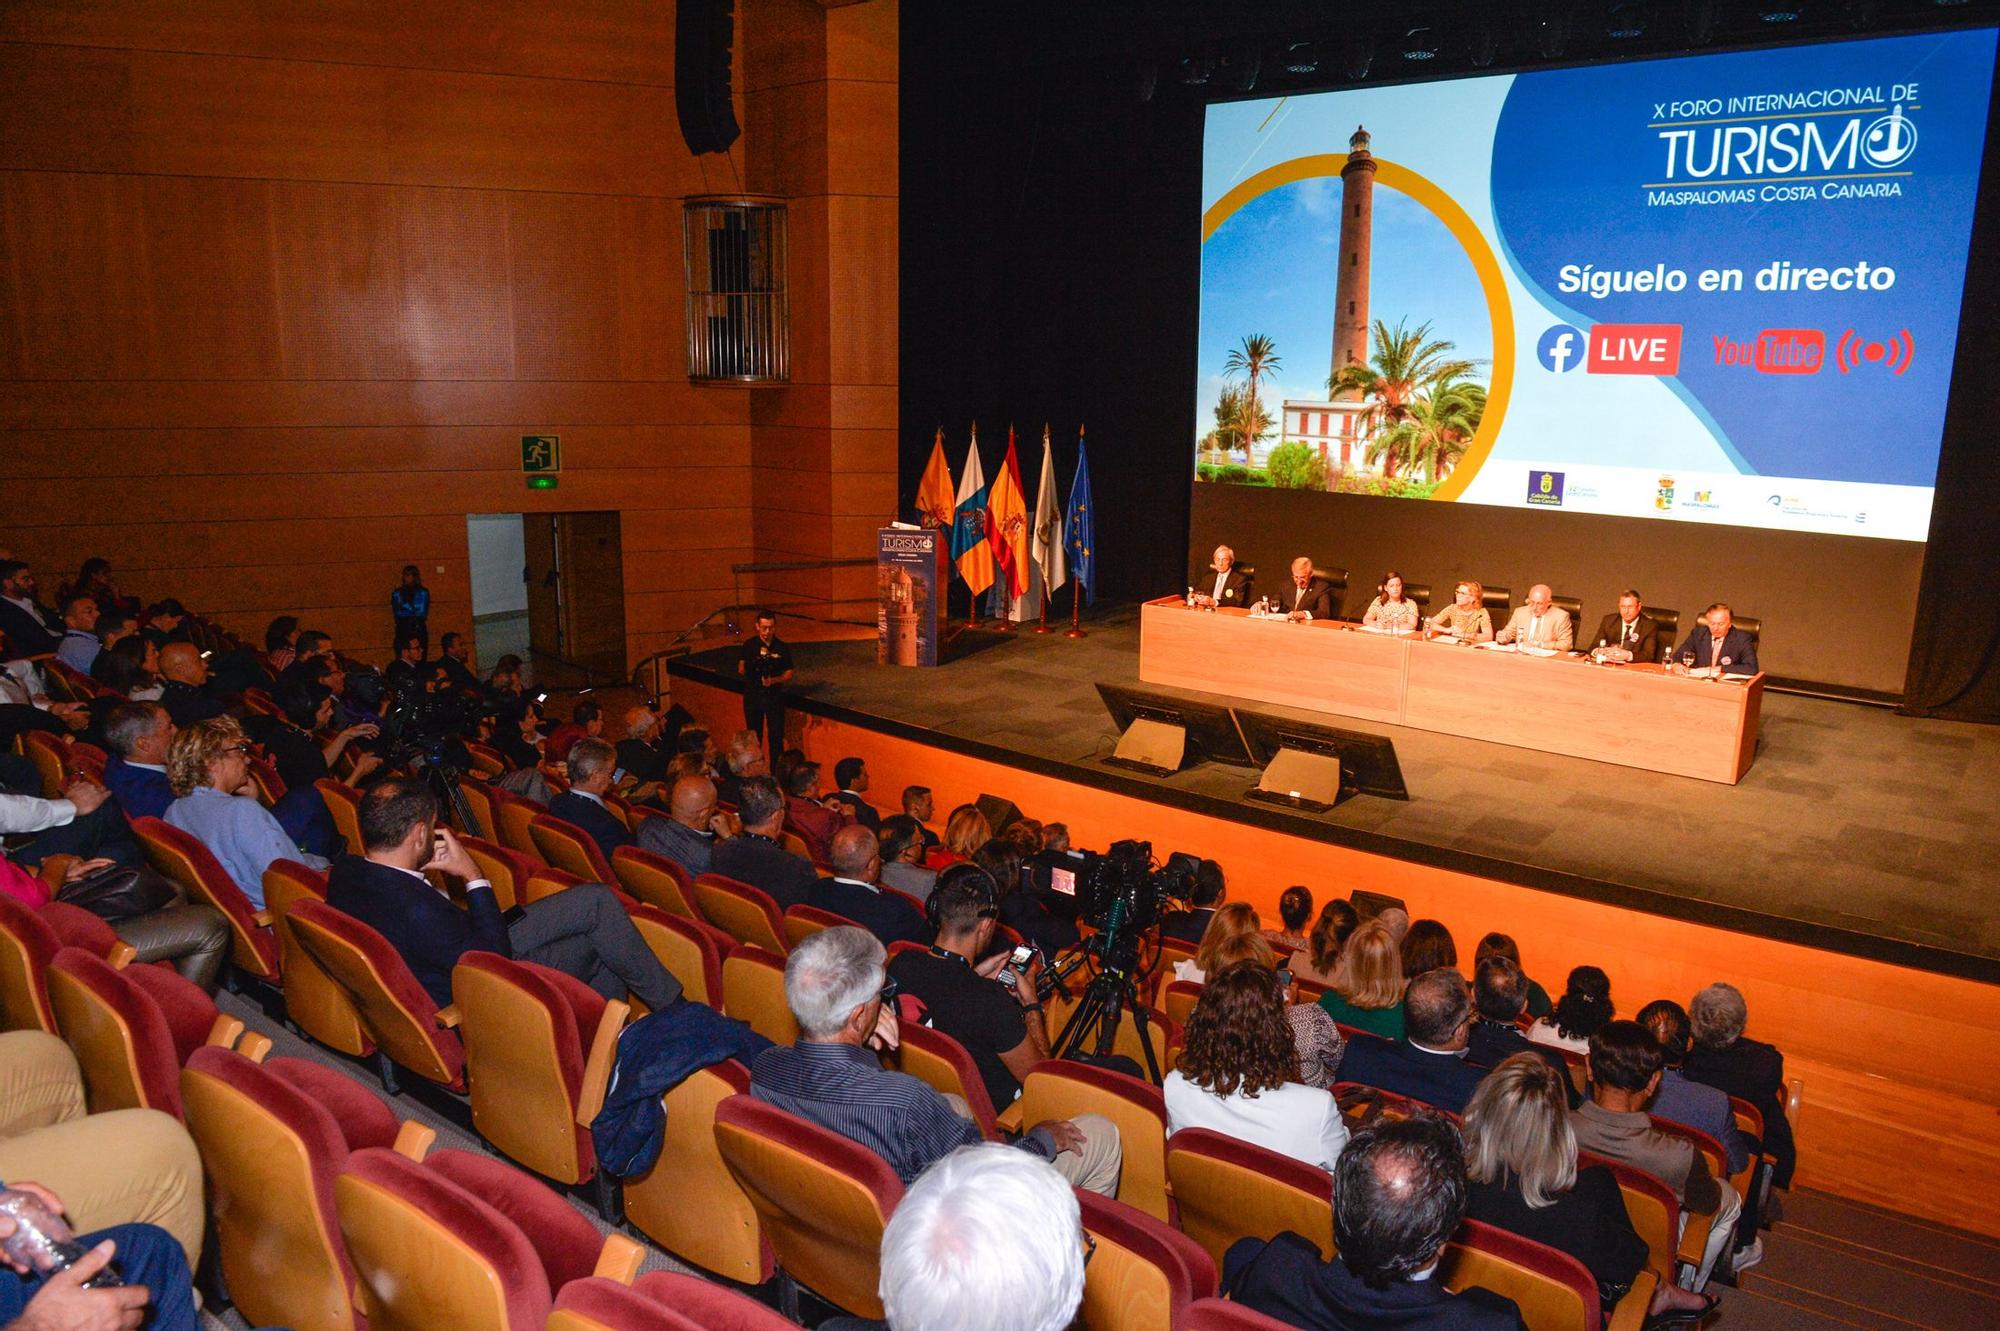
(704, 32)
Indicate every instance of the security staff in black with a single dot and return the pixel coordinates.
(766, 667)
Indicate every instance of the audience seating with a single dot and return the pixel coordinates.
(29, 941)
(539, 1047)
(487, 761)
(1143, 1275)
(253, 948)
(344, 803)
(409, 1030)
(802, 922)
(1227, 1189)
(508, 870)
(943, 1064)
(661, 1301)
(1554, 1291)
(753, 991)
(477, 800)
(691, 950)
(823, 1199)
(1178, 999)
(51, 761)
(463, 1242)
(656, 880)
(271, 1150)
(1222, 1315)
(564, 845)
(1062, 1088)
(270, 786)
(132, 1029)
(512, 817)
(314, 1002)
(688, 1202)
(1654, 1210)
(745, 913)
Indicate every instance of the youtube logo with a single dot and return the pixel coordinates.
(1775, 351)
(1634, 349)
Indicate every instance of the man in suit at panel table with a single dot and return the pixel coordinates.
(1540, 623)
(1222, 583)
(1307, 597)
(1429, 1062)
(593, 763)
(1717, 641)
(1630, 628)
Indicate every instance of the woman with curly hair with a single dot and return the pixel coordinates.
(1238, 1072)
(1581, 1012)
(208, 767)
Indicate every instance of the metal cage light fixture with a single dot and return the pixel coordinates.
(738, 307)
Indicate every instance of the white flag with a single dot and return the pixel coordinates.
(1048, 549)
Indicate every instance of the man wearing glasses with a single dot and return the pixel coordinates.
(844, 1003)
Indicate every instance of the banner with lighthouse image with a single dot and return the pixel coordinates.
(1719, 289)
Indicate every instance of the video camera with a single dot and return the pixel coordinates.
(427, 726)
(1121, 889)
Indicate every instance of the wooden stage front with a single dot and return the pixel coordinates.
(1896, 1040)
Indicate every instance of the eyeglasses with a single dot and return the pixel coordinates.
(1089, 1247)
(889, 991)
(238, 748)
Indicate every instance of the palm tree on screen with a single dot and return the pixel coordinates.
(1255, 358)
(1434, 431)
(1408, 365)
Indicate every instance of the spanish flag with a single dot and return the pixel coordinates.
(1007, 521)
(970, 548)
(934, 496)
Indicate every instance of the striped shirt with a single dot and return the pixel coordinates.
(843, 1089)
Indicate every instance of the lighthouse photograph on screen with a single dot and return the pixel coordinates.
(1719, 289)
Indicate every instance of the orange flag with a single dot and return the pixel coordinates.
(935, 499)
(1007, 525)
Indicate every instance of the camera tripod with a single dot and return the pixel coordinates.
(1111, 993)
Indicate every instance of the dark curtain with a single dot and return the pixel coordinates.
(1955, 646)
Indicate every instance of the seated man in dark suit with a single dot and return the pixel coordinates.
(454, 650)
(852, 891)
(581, 931)
(1209, 892)
(1307, 597)
(183, 677)
(814, 821)
(402, 674)
(755, 856)
(1717, 642)
(644, 752)
(592, 765)
(691, 829)
(851, 775)
(30, 628)
(1730, 1061)
(1222, 583)
(1499, 995)
(139, 735)
(1399, 1190)
(1428, 1063)
(1631, 629)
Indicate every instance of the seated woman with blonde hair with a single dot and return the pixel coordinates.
(1367, 990)
(964, 832)
(1238, 1072)
(208, 767)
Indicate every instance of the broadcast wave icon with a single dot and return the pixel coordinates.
(1894, 354)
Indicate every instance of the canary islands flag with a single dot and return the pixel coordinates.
(1082, 522)
(934, 496)
(1008, 523)
(971, 548)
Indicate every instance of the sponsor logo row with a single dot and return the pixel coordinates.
(1546, 488)
(1655, 349)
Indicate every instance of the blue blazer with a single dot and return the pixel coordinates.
(1444, 1080)
(142, 794)
(598, 822)
(889, 917)
(1736, 645)
(427, 931)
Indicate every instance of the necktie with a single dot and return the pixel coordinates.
(1631, 633)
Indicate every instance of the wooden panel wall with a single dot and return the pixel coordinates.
(281, 285)
(1885, 1119)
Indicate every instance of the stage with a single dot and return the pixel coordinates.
(1855, 831)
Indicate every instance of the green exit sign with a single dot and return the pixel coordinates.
(541, 453)
(542, 482)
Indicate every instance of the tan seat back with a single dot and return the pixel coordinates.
(1227, 1189)
(655, 880)
(741, 911)
(688, 1202)
(1063, 1089)
(753, 991)
(313, 1000)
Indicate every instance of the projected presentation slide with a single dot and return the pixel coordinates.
(1719, 289)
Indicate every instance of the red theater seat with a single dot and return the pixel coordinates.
(1222, 1315)
(1062, 1088)
(253, 947)
(408, 1029)
(655, 880)
(943, 1064)
(1143, 1275)
(688, 1202)
(132, 1029)
(29, 941)
(745, 913)
(690, 949)
(1226, 1189)
(566, 846)
(662, 1301)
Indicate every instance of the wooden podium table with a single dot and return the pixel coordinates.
(1633, 715)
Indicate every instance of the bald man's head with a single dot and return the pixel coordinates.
(853, 852)
(692, 802)
(1539, 597)
(182, 663)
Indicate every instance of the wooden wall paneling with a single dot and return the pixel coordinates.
(624, 41)
(564, 277)
(340, 302)
(455, 312)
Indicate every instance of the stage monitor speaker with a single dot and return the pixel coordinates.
(1301, 779)
(1000, 813)
(704, 33)
(1151, 746)
(1368, 904)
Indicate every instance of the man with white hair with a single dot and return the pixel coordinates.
(1221, 583)
(1540, 623)
(958, 1254)
(838, 991)
(1727, 1059)
(1308, 596)
(641, 754)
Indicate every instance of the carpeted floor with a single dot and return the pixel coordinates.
(1856, 829)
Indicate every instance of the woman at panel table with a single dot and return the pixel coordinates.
(1390, 610)
(1465, 618)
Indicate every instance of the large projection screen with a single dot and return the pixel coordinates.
(1684, 313)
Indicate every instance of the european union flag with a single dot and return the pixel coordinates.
(1082, 527)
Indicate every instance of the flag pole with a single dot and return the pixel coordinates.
(1076, 579)
(1042, 625)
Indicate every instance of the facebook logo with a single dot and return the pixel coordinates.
(1560, 349)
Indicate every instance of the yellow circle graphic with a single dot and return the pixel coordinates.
(1498, 307)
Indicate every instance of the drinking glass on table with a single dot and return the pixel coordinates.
(1687, 660)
